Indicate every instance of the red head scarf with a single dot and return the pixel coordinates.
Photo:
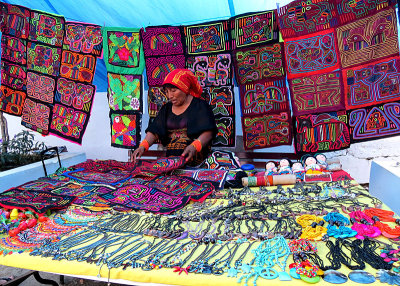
(185, 80)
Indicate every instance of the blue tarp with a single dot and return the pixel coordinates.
(142, 13)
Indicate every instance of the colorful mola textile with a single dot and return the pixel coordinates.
(217, 177)
(11, 101)
(16, 21)
(125, 129)
(374, 122)
(317, 93)
(13, 49)
(162, 165)
(207, 37)
(40, 87)
(369, 39)
(141, 197)
(125, 92)
(74, 94)
(211, 70)
(221, 160)
(264, 97)
(68, 123)
(162, 41)
(46, 28)
(123, 50)
(372, 83)
(41, 184)
(36, 116)
(221, 100)
(254, 28)
(87, 195)
(349, 11)
(311, 54)
(305, 17)
(258, 63)
(322, 132)
(157, 68)
(268, 130)
(83, 38)
(156, 98)
(77, 66)
(112, 177)
(104, 165)
(37, 201)
(43, 58)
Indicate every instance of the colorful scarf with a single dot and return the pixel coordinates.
(185, 81)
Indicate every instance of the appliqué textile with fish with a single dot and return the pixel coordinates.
(158, 68)
(162, 41)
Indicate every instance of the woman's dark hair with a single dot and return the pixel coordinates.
(168, 85)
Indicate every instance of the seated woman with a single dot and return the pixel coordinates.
(185, 124)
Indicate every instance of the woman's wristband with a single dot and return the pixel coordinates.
(145, 144)
(197, 145)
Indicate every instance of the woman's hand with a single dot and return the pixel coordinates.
(189, 152)
(137, 153)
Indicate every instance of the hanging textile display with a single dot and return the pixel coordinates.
(15, 29)
(157, 68)
(210, 61)
(305, 17)
(254, 28)
(322, 132)
(124, 58)
(322, 46)
(222, 102)
(125, 129)
(125, 92)
(259, 63)
(368, 39)
(266, 130)
(372, 83)
(317, 93)
(264, 97)
(164, 52)
(374, 122)
(207, 37)
(349, 11)
(123, 50)
(51, 64)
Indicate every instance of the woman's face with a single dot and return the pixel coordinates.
(175, 95)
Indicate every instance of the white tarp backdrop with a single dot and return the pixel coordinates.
(135, 13)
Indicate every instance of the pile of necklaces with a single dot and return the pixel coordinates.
(332, 231)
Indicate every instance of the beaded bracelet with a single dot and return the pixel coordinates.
(197, 145)
(145, 144)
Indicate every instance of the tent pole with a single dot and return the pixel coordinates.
(231, 8)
